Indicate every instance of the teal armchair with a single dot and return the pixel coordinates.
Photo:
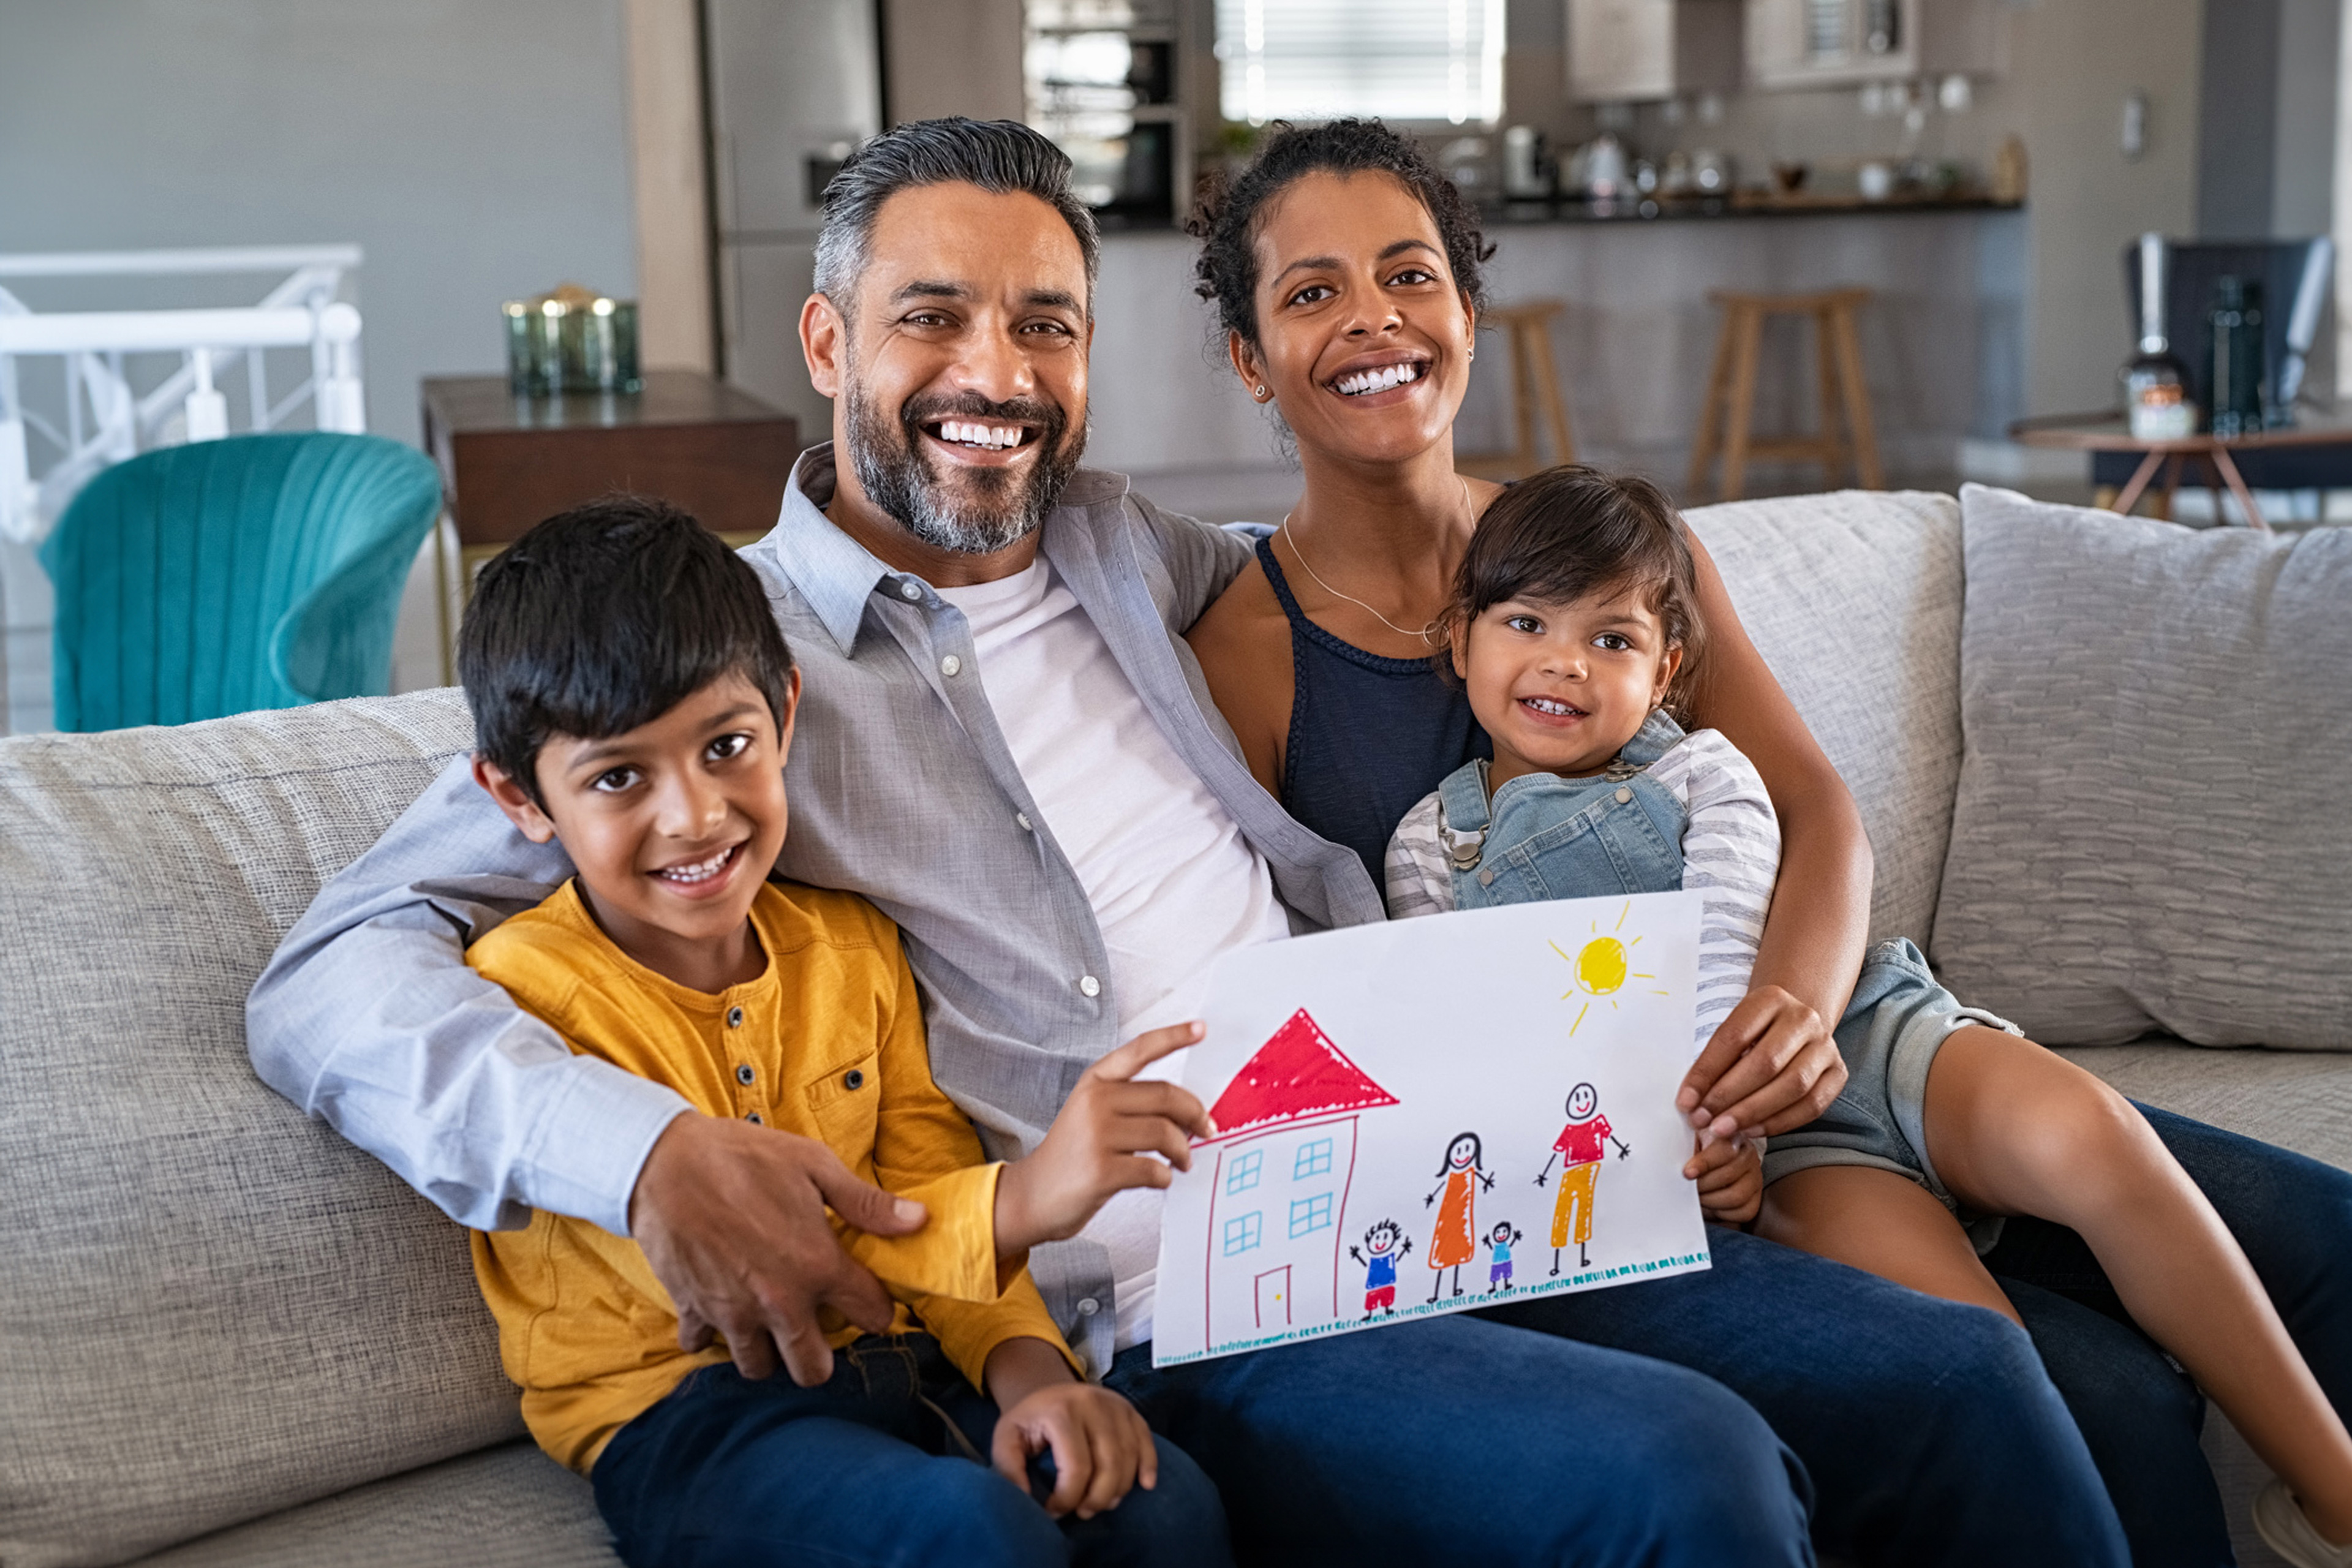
(217, 578)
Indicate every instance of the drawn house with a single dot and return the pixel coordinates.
(1285, 1149)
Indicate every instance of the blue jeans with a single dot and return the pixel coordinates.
(1454, 1440)
(1929, 1429)
(875, 1466)
(2139, 1414)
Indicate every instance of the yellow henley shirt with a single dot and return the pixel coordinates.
(827, 1043)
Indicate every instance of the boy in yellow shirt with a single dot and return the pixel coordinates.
(633, 698)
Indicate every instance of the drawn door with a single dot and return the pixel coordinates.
(1274, 1298)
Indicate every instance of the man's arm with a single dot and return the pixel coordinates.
(368, 1017)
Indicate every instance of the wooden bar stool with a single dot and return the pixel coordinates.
(1723, 420)
(1535, 385)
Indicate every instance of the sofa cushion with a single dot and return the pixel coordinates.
(1854, 599)
(507, 1506)
(2149, 833)
(213, 1308)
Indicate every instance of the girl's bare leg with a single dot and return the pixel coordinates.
(2014, 1129)
(1885, 1224)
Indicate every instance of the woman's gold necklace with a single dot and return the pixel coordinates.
(1401, 631)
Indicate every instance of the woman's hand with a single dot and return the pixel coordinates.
(1731, 1177)
(1770, 1068)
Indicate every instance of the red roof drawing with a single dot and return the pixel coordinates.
(1296, 1074)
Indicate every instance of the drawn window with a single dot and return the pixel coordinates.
(1242, 1234)
(1314, 1159)
(1241, 1175)
(1305, 1215)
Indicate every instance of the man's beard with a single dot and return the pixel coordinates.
(897, 475)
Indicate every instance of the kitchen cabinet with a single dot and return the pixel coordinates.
(1631, 51)
(1834, 43)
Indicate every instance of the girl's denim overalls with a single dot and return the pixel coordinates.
(1543, 837)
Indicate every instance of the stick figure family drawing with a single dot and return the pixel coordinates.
(1287, 1131)
(1579, 1150)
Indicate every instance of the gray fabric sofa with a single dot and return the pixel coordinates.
(229, 1337)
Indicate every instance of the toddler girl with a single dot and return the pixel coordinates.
(1574, 627)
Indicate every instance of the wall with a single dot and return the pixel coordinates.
(2075, 62)
(951, 57)
(2238, 126)
(478, 152)
(670, 179)
(2303, 171)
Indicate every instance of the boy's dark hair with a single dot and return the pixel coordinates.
(1572, 530)
(1233, 210)
(606, 618)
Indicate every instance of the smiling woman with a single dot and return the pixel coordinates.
(1346, 272)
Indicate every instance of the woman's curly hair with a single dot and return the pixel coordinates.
(1233, 210)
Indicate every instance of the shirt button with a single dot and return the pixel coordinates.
(1088, 985)
(743, 1073)
(911, 590)
(1624, 795)
(951, 666)
(1088, 1307)
(734, 1018)
(1021, 817)
(754, 1120)
(854, 1078)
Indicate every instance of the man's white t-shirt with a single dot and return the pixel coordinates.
(1172, 881)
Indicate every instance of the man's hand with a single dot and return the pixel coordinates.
(1731, 1177)
(732, 1216)
(1770, 1068)
(1101, 1446)
(1101, 1144)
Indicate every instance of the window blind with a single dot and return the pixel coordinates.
(1400, 60)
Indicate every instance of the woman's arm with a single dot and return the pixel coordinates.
(1242, 642)
(1772, 1065)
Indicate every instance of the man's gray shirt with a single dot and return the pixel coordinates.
(902, 789)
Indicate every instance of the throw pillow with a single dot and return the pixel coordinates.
(2151, 831)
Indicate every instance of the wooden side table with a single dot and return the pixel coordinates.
(2107, 432)
(507, 462)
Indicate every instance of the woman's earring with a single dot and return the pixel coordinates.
(1261, 394)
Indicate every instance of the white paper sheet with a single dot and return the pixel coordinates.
(1432, 1115)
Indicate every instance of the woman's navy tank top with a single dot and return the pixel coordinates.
(1369, 735)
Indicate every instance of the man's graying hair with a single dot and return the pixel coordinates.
(1000, 156)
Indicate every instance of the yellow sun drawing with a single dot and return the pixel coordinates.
(1601, 966)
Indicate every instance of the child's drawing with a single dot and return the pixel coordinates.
(1386, 1242)
(1286, 1152)
(1601, 966)
(1499, 1242)
(1579, 1150)
(1331, 1173)
(1459, 1178)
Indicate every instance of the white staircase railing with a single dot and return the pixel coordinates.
(48, 453)
(83, 389)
